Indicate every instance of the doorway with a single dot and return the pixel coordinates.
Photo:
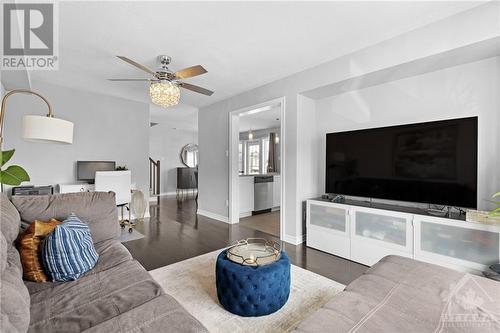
(257, 167)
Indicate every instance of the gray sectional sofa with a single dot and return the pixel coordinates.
(399, 295)
(117, 295)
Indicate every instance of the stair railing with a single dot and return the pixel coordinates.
(154, 179)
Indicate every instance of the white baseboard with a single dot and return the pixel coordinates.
(295, 240)
(245, 214)
(161, 195)
(166, 194)
(214, 216)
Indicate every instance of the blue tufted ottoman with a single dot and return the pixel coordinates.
(252, 291)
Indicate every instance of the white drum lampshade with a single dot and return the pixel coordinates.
(47, 129)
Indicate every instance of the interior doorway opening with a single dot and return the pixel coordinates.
(173, 153)
(256, 167)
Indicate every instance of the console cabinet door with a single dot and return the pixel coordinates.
(456, 244)
(328, 227)
(377, 233)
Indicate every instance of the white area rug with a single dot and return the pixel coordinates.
(192, 283)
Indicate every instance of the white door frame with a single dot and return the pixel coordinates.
(234, 201)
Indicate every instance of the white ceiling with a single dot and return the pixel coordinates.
(179, 117)
(260, 120)
(242, 44)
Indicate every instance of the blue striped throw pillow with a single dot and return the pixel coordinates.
(68, 251)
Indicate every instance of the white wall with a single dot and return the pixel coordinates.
(307, 157)
(437, 38)
(165, 144)
(106, 128)
(461, 91)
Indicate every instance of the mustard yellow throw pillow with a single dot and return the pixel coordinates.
(29, 248)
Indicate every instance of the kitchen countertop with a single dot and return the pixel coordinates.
(259, 175)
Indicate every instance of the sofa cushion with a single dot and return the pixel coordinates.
(14, 297)
(404, 295)
(28, 245)
(118, 299)
(97, 209)
(161, 314)
(10, 220)
(68, 252)
(111, 253)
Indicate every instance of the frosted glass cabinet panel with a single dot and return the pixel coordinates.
(328, 217)
(384, 228)
(366, 235)
(479, 246)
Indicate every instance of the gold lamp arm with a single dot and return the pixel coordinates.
(4, 104)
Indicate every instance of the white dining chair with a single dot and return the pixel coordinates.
(119, 182)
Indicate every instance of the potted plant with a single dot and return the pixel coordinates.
(14, 174)
(492, 217)
(496, 212)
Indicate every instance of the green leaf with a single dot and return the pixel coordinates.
(6, 155)
(13, 175)
(496, 195)
(495, 212)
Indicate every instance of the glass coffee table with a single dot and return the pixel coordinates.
(254, 252)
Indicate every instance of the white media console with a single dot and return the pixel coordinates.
(365, 233)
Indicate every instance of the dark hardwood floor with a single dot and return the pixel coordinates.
(175, 233)
(267, 222)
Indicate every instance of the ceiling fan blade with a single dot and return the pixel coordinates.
(129, 79)
(136, 64)
(190, 72)
(197, 89)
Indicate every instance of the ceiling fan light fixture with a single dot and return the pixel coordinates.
(164, 93)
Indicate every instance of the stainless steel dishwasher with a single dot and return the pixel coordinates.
(263, 194)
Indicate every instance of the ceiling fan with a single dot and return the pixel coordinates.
(164, 89)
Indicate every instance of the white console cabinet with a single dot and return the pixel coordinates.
(366, 235)
(456, 244)
(377, 233)
(73, 188)
(328, 228)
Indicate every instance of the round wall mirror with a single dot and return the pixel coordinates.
(189, 155)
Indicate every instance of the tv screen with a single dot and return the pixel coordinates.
(86, 169)
(433, 162)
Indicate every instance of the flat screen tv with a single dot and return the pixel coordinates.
(85, 170)
(433, 162)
